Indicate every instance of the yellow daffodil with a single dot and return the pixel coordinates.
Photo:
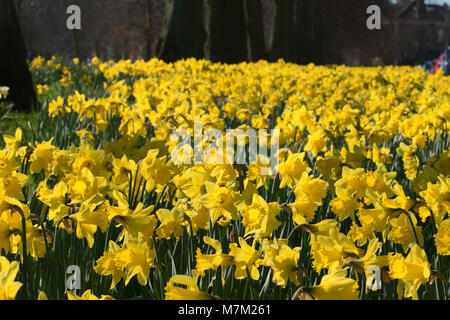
(211, 261)
(8, 272)
(335, 286)
(260, 217)
(87, 295)
(173, 290)
(412, 271)
(245, 259)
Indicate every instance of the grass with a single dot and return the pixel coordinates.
(12, 120)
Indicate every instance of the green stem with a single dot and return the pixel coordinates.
(133, 196)
(192, 242)
(433, 222)
(412, 227)
(24, 250)
(292, 232)
(141, 199)
(130, 196)
(135, 199)
(272, 193)
(47, 249)
(246, 286)
(160, 197)
(105, 247)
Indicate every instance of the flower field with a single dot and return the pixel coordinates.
(357, 207)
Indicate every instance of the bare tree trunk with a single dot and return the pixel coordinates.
(14, 72)
(226, 31)
(304, 29)
(183, 35)
(19, 8)
(282, 40)
(256, 48)
(148, 41)
(313, 31)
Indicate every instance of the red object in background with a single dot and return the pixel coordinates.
(437, 64)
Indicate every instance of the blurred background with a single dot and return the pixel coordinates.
(301, 31)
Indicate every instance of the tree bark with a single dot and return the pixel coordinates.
(281, 41)
(304, 26)
(183, 35)
(14, 72)
(226, 31)
(256, 48)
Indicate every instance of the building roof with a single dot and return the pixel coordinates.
(402, 7)
(406, 9)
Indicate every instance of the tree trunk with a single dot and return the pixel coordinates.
(183, 35)
(282, 31)
(226, 31)
(148, 41)
(14, 72)
(304, 29)
(256, 49)
(312, 31)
